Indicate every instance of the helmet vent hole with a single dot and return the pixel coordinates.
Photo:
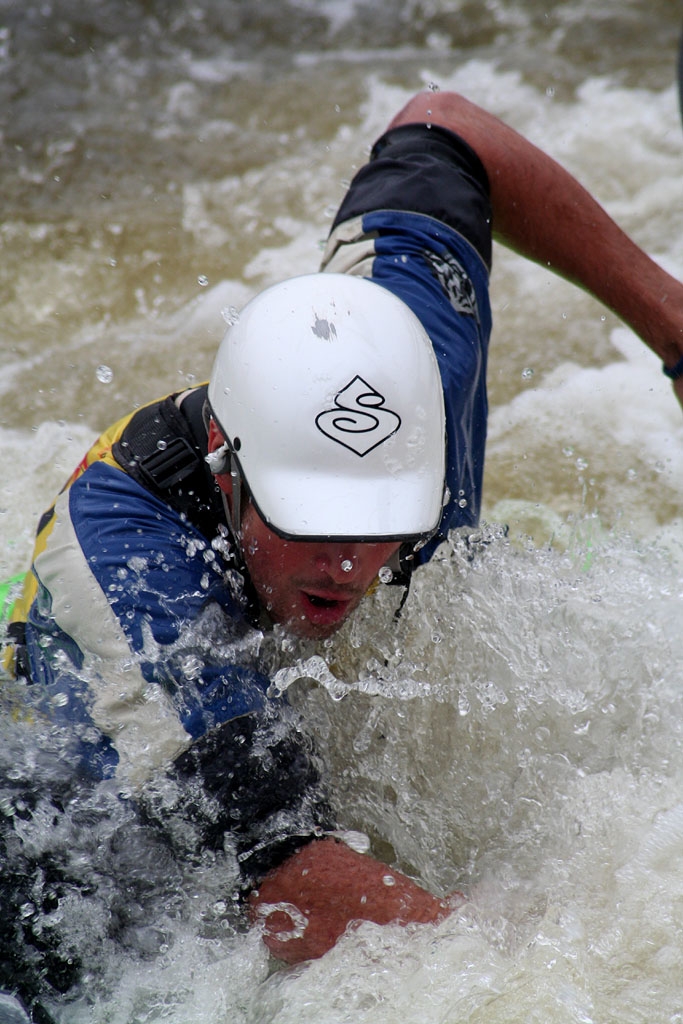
(237, 444)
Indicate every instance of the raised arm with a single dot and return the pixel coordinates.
(542, 212)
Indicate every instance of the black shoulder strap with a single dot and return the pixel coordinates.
(163, 448)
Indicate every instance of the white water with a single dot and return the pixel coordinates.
(523, 740)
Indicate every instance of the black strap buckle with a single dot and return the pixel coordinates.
(169, 465)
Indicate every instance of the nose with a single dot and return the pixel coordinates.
(341, 563)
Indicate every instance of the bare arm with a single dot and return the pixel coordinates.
(542, 212)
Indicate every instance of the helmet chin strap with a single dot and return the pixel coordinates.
(236, 523)
(222, 460)
(233, 516)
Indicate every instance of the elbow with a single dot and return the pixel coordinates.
(449, 109)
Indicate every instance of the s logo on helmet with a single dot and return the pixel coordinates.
(359, 420)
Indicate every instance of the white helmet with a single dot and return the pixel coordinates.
(328, 392)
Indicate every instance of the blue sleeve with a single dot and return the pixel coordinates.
(167, 587)
(417, 220)
(120, 563)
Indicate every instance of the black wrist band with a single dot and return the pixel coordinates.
(675, 372)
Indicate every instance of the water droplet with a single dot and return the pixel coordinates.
(347, 565)
(527, 373)
(231, 315)
(581, 464)
(389, 880)
(568, 451)
(162, 445)
(192, 666)
(202, 280)
(385, 574)
(104, 374)
(462, 503)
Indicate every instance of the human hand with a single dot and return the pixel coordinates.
(308, 902)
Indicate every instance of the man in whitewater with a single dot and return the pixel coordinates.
(339, 440)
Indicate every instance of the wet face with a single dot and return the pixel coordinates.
(310, 587)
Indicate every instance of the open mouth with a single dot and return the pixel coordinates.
(322, 602)
(325, 611)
